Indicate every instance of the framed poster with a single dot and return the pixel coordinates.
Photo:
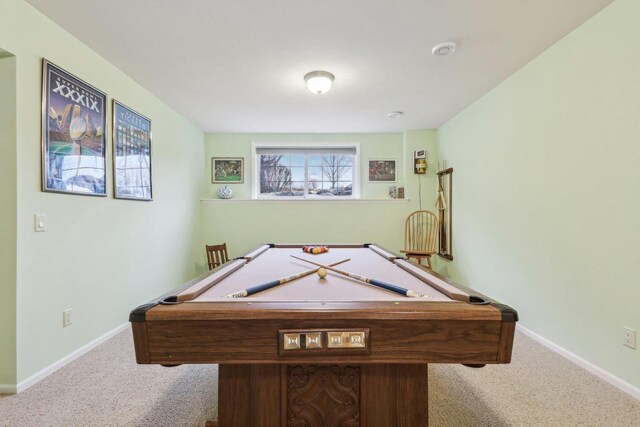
(73, 134)
(382, 170)
(131, 154)
(227, 170)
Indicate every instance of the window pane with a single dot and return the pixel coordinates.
(290, 190)
(336, 168)
(327, 186)
(285, 191)
(285, 160)
(315, 160)
(298, 188)
(324, 193)
(313, 186)
(275, 160)
(315, 173)
(297, 174)
(297, 160)
(344, 189)
(291, 173)
(274, 179)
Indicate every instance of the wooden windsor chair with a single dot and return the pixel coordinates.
(421, 236)
(216, 255)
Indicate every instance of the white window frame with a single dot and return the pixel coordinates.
(255, 176)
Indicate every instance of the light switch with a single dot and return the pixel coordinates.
(40, 222)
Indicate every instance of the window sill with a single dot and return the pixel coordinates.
(258, 201)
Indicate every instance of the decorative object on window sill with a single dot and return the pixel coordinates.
(443, 204)
(393, 192)
(225, 192)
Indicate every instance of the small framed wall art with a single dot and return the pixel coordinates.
(382, 171)
(227, 170)
(131, 154)
(73, 134)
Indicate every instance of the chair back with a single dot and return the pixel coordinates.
(216, 255)
(421, 232)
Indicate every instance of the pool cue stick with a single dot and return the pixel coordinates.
(388, 286)
(264, 286)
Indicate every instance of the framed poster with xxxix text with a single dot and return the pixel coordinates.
(73, 134)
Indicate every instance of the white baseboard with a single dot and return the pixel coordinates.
(590, 367)
(38, 376)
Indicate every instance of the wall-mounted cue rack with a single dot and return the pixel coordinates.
(444, 205)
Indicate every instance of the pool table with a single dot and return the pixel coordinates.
(330, 351)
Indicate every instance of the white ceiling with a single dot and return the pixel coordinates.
(238, 65)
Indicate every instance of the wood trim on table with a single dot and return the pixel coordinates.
(141, 342)
(505, 346)
(251, 341)
(201, 287)
(451, 310)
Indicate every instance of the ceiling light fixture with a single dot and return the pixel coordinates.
(319, 82)
(444, 49)
(395, 114)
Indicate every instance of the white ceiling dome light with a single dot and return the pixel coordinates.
(444, 49)
(395, 114)
(319, 82)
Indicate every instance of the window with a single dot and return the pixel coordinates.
(306, 172)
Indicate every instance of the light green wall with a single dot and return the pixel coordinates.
(99, 256)
(243, 223)
(546, 190)
(7, 218)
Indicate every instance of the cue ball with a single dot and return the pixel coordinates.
(322, 272)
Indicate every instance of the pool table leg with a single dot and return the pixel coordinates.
(371, 395)
(394, 395)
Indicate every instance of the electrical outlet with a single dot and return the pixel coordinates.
(629, 337)
(66, 317)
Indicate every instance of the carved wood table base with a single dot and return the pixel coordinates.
(367, 395)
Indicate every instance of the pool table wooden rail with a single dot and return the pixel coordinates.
(242, 332)
(250, 341)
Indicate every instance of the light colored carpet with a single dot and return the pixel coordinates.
(106, 388)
